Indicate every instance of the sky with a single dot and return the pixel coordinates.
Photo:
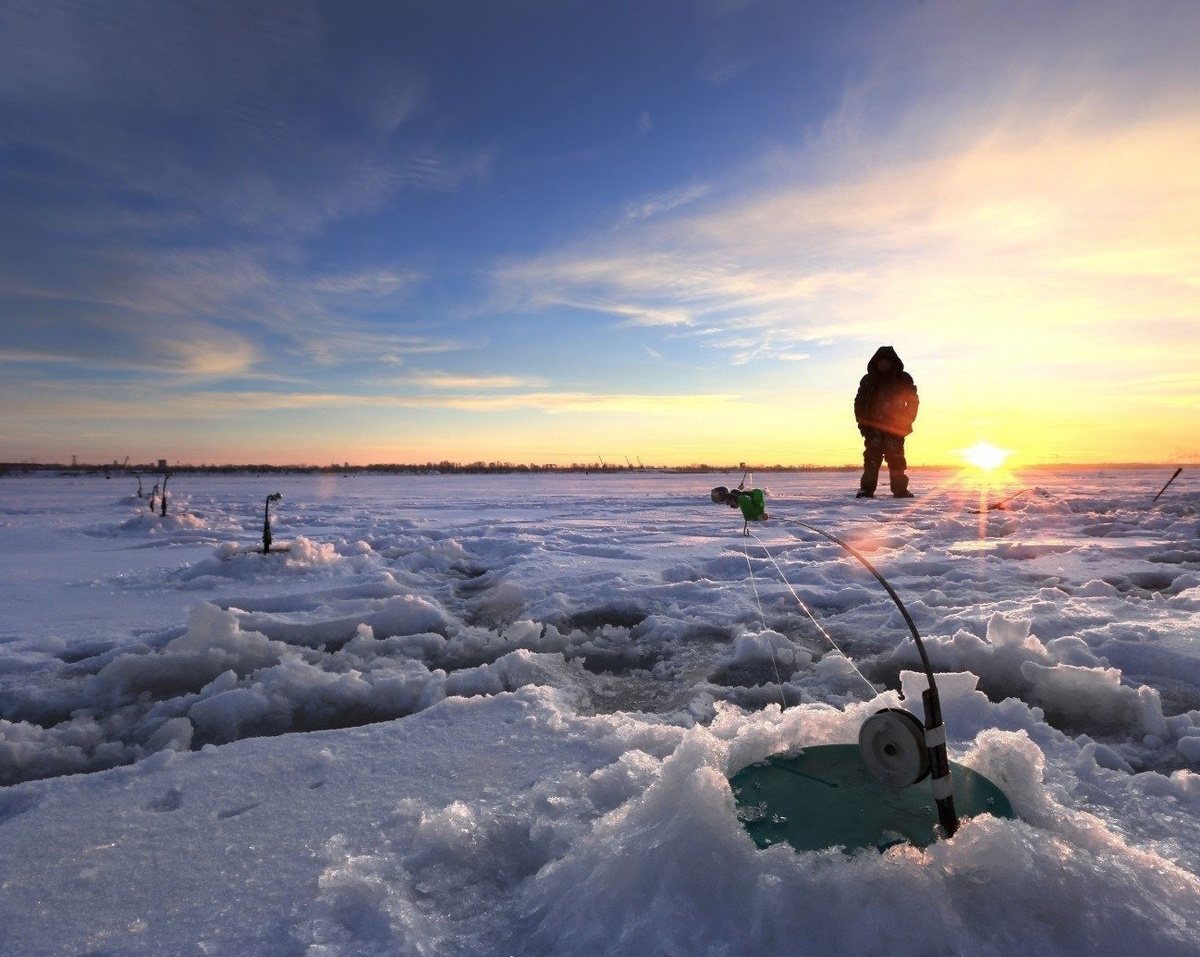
(563, 232)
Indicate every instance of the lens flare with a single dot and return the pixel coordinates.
(985, 456)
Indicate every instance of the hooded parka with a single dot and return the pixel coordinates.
(886, 399)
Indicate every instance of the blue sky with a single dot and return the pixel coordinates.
(552, 231)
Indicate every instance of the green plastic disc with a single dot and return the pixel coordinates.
(825, 797)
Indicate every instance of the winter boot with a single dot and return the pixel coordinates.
(899, 484)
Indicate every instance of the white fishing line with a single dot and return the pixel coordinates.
(803, 607)
(762, 616)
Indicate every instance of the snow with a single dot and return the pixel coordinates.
(496, 714)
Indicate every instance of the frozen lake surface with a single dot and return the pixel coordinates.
(495, 714)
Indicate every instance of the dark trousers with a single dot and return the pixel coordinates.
(877, 446)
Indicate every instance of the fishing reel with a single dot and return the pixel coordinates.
(751, 501)
(894, 748)
(721, 495)
(899, 750)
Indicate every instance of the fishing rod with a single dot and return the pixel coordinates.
(1000, 505)
(896, 746)
(273, 497)
(1169, 481)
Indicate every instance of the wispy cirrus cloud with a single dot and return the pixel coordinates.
(1065, 151)
(353, 345)
(106, 348)
(699, 404)
(1073, 227)
(232, 311)
(212, 125)
(666, 202)
(427, 379)
(222, 404)
(372, 283)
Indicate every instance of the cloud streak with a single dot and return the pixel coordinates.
(1078, 228)
(666, 202)
(213, 404)
(448, 380)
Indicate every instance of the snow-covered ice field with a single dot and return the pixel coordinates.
(496, 714)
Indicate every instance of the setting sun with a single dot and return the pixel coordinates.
(985, 456)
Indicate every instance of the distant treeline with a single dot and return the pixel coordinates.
(427, 468)
(482, 468)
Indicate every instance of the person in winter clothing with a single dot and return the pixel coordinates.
(885, 407)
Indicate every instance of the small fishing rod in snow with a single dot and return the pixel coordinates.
(752, 502)
(1169, 481)
(1000, 505)
(896, 746)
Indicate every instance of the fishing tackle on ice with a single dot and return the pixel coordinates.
(896, 746)
(752, 502)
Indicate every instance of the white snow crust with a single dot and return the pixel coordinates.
(497, 714)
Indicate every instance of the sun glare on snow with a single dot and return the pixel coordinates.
(985, 456)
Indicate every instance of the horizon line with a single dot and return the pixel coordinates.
(480, 466)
